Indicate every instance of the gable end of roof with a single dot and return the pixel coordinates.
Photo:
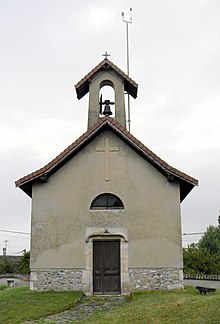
(186, 182)
(82, 87)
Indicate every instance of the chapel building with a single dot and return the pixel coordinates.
(106, 211)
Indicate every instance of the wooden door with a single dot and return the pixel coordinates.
(106, 267)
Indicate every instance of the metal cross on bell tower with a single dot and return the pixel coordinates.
(106, 55)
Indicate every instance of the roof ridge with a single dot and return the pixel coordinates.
(91, 131)
(82, 86)
(98, 66)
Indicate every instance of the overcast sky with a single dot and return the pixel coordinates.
(47, 46)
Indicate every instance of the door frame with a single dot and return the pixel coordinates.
(102, 235)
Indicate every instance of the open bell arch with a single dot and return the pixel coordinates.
(121, 82)
(106, 78)
(106, 99)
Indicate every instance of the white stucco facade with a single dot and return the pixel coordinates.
(63, 226)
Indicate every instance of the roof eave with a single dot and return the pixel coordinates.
(166, 170)
(82, 87)
(26, 185)
(186, 183)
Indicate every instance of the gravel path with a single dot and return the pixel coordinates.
(85, 309)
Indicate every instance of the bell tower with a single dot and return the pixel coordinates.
(106, 74)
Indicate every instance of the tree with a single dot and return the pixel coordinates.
(204, 257)
(9, 264)
(197, 260)
(211, 240)
(25, 263)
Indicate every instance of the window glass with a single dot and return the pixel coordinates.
(107, 201)
(101, 201)
(113, 202)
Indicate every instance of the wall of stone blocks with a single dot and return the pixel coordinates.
(57, 279)
(138, 279)
(155, 278)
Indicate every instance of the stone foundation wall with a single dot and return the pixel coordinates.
(155, 278)
(76, 279)
(57, 279)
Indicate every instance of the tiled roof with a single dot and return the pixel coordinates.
(82, 87)
(186, 181)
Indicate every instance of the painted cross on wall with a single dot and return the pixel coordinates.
(107, 149)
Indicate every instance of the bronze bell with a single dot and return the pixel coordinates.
(107, 110)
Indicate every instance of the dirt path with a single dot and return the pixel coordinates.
(85, 309)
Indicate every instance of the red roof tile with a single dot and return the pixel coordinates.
(82, 87)
(188, 182)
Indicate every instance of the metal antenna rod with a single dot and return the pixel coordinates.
(127, 42)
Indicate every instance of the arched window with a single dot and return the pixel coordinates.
(107, 201)
(107, 92)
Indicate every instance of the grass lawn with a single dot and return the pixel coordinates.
(18, 305)
(187, 306)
